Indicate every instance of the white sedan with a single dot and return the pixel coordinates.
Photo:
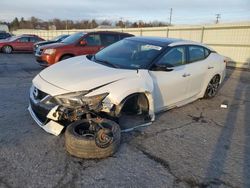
(140, 75)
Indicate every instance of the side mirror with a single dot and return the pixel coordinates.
(162, 67)
(83, 42)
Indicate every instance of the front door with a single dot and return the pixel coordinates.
(22, 44)
(170, 86)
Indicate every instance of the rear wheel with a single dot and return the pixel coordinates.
(7, 49)
(212, 87)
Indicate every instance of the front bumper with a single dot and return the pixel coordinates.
(51, 126)
(40, 113)
(45, 60)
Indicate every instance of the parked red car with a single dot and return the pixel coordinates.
(19, 43)
(77, 44)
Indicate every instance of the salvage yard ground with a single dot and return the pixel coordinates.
(198, 145)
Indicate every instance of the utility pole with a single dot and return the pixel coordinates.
(170, 16)
(66, 24)
(217, 18)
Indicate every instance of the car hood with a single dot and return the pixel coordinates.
(45, 42)
(4, 40)
(54, 45)
(80, 74)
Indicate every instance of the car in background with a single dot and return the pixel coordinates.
(137, 75)
(19, 43)
(77, 44)
(54, 40)
(4, 35)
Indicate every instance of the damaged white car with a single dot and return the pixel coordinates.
(142, 75)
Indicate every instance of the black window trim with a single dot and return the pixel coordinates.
(165, 51)
(204, 48)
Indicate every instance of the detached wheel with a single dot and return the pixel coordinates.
(212, 87)
(82, 142)
(7, 49)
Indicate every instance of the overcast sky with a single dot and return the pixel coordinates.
(184, 11)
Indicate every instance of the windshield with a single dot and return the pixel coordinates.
(12, 38)
(73, 38)
(128, 54)
(59, 38)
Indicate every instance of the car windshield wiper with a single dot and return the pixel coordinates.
(105, 62)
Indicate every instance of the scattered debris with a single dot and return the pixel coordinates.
(224, 104)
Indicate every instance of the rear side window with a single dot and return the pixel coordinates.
(34, 39)
(23, 39)
(93, 40)
(197, 53)
(108, 39)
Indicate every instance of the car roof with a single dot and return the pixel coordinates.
(112, 32)
(28, 35)
(161, 41)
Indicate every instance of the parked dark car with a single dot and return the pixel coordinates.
(77, 44)
(4, 35)
(19, 43)
(54, 40)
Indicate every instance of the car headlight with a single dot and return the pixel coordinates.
(49, 51)
(78, 99)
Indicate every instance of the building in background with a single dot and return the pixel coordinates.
(4, 27)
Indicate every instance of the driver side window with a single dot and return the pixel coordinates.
(173, 58)
(93, 40)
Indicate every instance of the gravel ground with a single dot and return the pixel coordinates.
(198, 145)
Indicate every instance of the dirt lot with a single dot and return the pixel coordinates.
(198, 145)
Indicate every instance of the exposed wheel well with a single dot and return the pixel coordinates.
(5, 46)
(66, 55)
(136, 103)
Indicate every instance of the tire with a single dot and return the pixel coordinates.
(65, 57)
(212, 87)
(86, 147)
(7, 49)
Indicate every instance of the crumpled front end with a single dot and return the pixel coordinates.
(53, 113)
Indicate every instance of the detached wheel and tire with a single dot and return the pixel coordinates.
(7, 49)
(82, 142)
(212, 87)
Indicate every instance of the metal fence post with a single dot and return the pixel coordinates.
(202, 34)
(167, 32)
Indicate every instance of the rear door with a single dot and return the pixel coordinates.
(197, 69)
(32, 41)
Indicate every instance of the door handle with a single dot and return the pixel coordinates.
(210, 67)
(186, 75)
